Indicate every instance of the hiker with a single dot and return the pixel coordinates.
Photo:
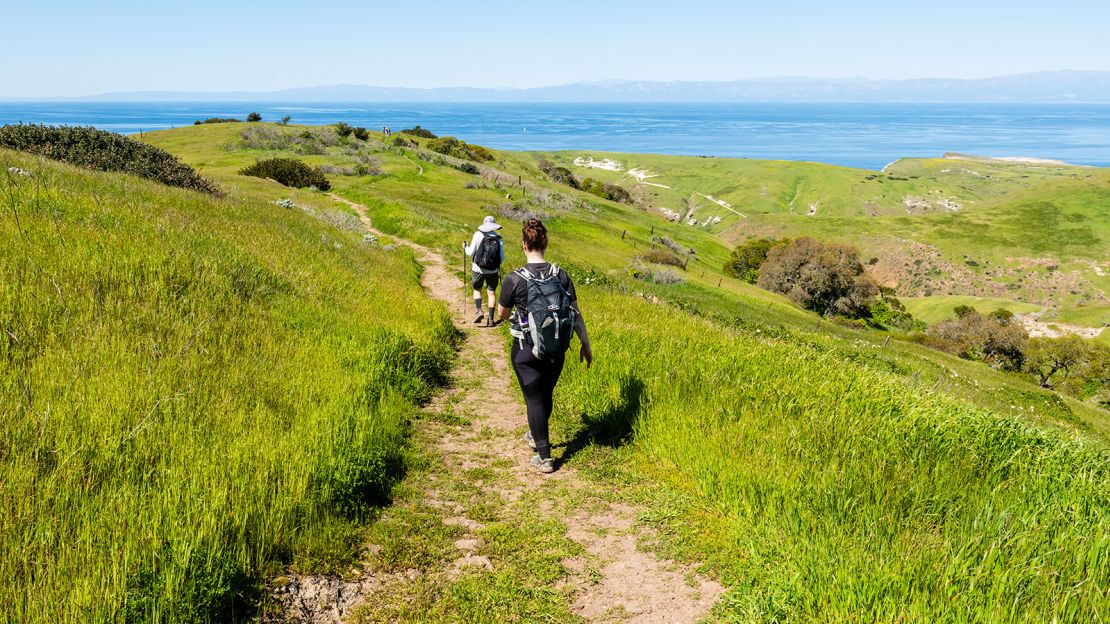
(544, 307)
(487, 248)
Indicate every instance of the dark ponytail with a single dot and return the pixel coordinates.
(535, 235)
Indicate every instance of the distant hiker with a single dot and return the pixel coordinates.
(487, 248)
(544, 307)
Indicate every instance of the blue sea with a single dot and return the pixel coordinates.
(855, 135)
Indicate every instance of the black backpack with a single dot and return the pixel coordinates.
(547, 322)
(488, 255)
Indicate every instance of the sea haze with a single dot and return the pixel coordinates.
(864, 135)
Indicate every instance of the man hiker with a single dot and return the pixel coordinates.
(488, 251)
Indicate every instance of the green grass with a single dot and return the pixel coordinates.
(824, 491)
(939, 307)
(824, 473)
(598, 239)
(194, 391)
(1009, 213)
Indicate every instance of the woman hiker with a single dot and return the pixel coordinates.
(544, 308)
(488, 251)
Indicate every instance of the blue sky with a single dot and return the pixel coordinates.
(65, 47)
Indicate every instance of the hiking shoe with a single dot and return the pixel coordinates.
(528, 438)
(543, 465)
(481, 316)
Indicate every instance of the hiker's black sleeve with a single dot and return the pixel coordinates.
(507, 297)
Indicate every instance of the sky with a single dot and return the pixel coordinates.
(68, 47)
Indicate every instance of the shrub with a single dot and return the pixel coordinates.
(288, 171)
(285, 120)
(562, 175)
(617, 194)
(656, 275)
(344, 130)
(1053, 361)
(976, 337)
(745, 260)
(1003, 316)
(400, 141)
(662, 256)
(417, 131)
(469, 167)
(450, 146)
(104, 151)
(827, 278)
(362, 134)
(887, 312)
(608, 191)
(216, 120)
(254, 117)
(264, 138)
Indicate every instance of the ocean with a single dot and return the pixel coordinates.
(854, 135)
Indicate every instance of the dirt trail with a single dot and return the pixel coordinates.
(634, 586)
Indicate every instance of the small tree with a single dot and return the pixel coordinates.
(1053, 360)
(977, 337)
(1003, 316)
(827, 278)
(746, 258)
(285, 120)
(964, 310)
(254, 117)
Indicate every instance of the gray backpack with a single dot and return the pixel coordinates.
(546, 324)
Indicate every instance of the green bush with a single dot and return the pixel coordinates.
(469, 167)
(104, 151)
(216, 120)
(343, 129)
(288, 171)
(746, 258)
(827, 278)
(417, 131)
(887, 312)
(562, 175)
(254, 117)
(450, 146)
(362, 134)
(400, 141)
(603, 190)
(662, 256)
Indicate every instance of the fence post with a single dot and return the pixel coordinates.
(719, 281)
(623, 232)
(886, 342)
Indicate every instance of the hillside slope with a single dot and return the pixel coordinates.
(1033, 232)
(195, 391)
(820, 475)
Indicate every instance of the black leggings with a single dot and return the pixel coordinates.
(537, 380)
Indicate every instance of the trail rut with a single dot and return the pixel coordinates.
(613, 581)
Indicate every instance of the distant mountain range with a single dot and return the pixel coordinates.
(1047, 86)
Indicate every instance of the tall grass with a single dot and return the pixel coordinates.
(823, 490)
(190, 390)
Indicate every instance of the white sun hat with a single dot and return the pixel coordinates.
(489, 225)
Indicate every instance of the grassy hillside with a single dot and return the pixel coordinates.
(194, 391)
(822, 474)
(1036, 233)
(822, 490)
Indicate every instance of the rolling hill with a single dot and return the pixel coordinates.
(215, 395)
